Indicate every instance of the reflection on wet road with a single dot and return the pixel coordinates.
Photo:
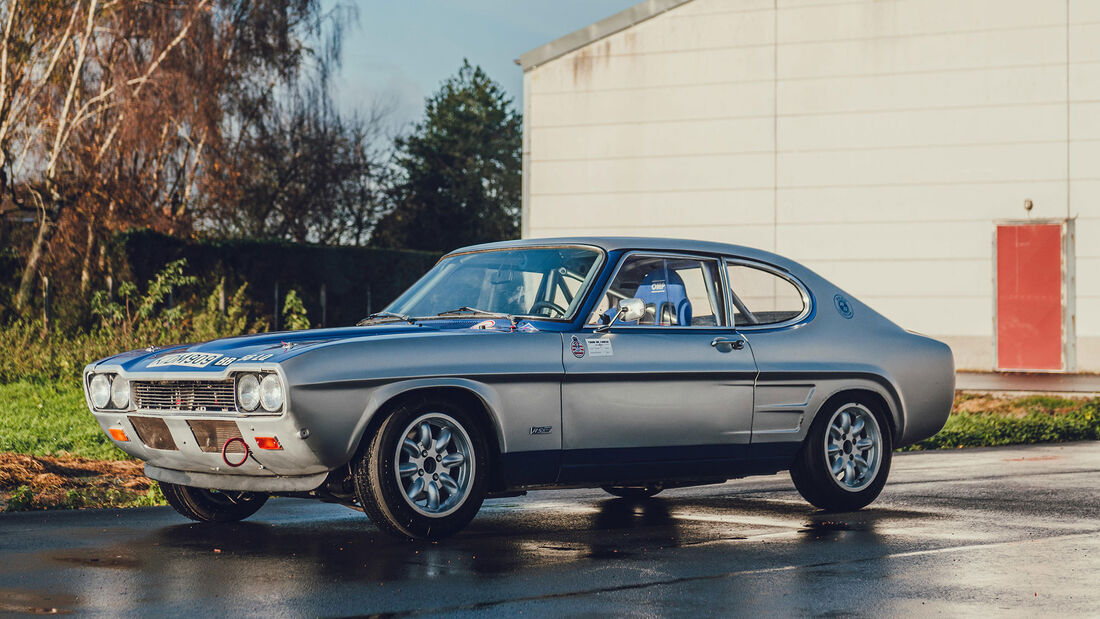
(976, 531)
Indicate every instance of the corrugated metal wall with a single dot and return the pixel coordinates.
(875, 140)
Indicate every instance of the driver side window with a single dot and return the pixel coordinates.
(677, 292)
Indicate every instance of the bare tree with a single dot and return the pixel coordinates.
(113, 112)
(303, 172)
(55, 85)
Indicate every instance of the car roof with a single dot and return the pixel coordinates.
(617, 243)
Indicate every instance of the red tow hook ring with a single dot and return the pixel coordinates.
(225, 452)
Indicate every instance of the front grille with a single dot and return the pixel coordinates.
(153, 432)
(209, 396)
(212, 435)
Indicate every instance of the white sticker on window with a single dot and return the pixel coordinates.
(599, 347)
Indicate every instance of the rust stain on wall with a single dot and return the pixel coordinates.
(587, 58)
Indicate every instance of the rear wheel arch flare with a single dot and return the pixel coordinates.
(865, 396)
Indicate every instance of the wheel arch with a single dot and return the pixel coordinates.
(476, 398)
(866, 394)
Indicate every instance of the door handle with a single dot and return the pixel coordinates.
(735, 343)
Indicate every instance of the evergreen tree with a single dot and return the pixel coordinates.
(459, 170)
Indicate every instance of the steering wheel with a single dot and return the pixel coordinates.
(550, 306)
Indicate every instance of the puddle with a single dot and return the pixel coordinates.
(98, 557)
(33, 603)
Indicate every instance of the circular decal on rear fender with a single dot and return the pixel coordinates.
(577, 347)
(842, 306)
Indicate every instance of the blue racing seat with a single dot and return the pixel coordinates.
(664, 294)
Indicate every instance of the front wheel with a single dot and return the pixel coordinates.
(424, 473)
(845, 459)
(212, 505)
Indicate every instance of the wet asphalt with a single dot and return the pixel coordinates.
(1010, 531)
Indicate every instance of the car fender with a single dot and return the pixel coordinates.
(872, 382)
(384, 394)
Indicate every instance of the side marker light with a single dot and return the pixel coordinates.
(268, 442)
(118, 435)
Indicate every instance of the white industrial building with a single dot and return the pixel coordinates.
(892, 145)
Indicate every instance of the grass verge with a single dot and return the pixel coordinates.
(982, 420)
(50, 418)
(57, 457)
(45, 482)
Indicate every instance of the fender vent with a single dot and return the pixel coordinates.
(211, 435)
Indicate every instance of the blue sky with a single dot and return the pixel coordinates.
(401, 50)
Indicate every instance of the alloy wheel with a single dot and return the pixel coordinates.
(435, 464)
(853, 445)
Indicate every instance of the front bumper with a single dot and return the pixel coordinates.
(293, 467)
(249, 483)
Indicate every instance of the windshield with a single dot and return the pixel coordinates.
(542, 282)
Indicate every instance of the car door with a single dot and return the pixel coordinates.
(670, 395)
(766, 305)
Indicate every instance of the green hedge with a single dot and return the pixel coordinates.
(356, 279)
(1037, 426)
(10, 273)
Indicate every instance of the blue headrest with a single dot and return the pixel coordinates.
(663, 288)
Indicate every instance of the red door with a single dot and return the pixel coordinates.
(1029, 297)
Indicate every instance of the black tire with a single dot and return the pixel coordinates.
(633, 492)
(383, 494)
(811, 471)
(212, 505)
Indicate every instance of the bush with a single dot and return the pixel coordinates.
(135, 320)
(20, 500)
(355, 278)
(1040, 424)
(294, 312)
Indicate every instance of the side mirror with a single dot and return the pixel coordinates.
(629, 310)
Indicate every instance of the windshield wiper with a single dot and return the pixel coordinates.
(465, 309)
(376, 315)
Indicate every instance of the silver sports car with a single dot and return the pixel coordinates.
(629, 364)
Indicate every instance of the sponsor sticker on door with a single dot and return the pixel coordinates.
(577, 348)
(599, 347)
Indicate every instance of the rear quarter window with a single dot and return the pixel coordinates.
(761, 297)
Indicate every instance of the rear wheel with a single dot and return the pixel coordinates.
(845, 460)
(633, 492)
(212, 505)
(423, 475)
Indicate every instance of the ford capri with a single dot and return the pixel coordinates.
(629, 364)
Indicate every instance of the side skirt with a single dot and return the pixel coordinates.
(581, 467)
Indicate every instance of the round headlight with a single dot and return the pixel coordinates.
(271, 393)
(100, 390)
(248, 392)
(120, 392)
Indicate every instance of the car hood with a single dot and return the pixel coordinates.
(217, 355)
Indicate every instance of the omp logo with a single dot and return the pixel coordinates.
(542, 429)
